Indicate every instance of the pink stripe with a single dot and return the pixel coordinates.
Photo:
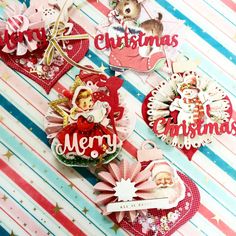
(230, 4)
(221, 225)
(211, 22)
(14, 220)
(60, 173)
(40, 199)
(17, 213)
(52, 166)
(128, 147)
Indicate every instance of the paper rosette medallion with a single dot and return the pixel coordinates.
(187, 110)
(41, 42)
(147, 199)
(88, 123)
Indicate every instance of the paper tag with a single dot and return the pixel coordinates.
(159, 203)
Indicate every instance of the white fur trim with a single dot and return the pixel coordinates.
(162, 167)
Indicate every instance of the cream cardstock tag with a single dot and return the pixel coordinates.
(159, 203)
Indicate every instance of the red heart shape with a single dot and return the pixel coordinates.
(76, 50)
(186, 208)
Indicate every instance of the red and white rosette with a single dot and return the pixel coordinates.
(167, 101)
(124, 125)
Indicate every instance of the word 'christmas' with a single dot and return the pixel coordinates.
(104, 41)
(194, 129)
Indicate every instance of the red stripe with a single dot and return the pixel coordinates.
(221, 225)
(40, 199)
(12, 24)
(132, 150)
(230, 4)
(102, 8)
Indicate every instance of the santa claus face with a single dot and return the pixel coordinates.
(163, 180)
(85, 103)
(190, 93)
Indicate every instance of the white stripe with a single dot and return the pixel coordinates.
(10, 225)
(204, 24)
(45, 151)
(40, 213)
(223, 9)
(47, 191)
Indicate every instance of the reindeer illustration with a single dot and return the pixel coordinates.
(113, 84)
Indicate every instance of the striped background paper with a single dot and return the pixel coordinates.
(38, 196)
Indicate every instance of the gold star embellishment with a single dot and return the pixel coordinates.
(8, 154)
(102, 68)
(12, 233)
(115, 228)
(85, 210)
(71, 185)
(217, 218)
(57, 208)
(4, 197)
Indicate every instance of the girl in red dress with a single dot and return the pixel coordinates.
(88, 121)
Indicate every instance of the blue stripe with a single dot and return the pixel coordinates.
(87, 175)
(204, 35)
(24, 119)
(218, 161)
(134, 91)
(35, 129)
(82, 171)
(3, 232)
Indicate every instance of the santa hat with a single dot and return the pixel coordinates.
(77, 91)
(162, 166)
(190, 83)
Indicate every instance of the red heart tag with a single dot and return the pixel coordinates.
(166, 222)
(75, 49)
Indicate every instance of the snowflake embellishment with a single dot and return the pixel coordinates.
(125, 190)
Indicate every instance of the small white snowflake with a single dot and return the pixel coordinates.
(125, 190)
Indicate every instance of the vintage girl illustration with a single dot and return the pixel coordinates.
(90, 120)
(87, 123)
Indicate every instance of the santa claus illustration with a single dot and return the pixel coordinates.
(169, 185)
(192, 104)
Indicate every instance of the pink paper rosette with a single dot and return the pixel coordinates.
(18, 18)
(125, 174)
